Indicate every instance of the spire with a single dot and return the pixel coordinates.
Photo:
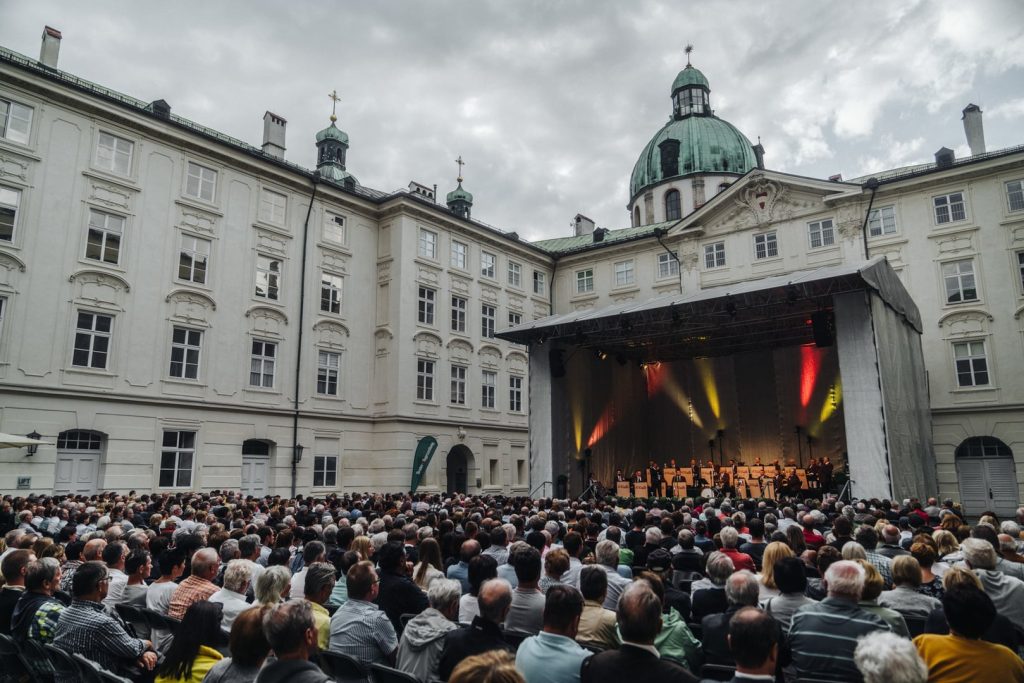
(688, 50)
(332, 147)
(460, 202)
(333, 96)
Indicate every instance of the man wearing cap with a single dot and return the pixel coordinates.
(660, 562)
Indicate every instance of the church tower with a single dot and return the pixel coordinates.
(331, 148)
(460, 202)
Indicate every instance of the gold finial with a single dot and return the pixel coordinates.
(333, 96)
(688, 50)
(461, 163)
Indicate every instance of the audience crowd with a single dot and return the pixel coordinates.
(223, 588)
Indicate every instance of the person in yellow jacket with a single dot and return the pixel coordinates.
(194, 648)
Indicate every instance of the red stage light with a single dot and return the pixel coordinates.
(810, 366)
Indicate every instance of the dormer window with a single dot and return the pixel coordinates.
(691, 101)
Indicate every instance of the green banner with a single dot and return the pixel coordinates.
(424, 452)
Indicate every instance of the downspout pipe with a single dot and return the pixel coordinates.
(872, 184)
(296, 452)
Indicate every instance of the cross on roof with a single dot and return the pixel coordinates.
(333, 96)
(688, 50)
(461, 163)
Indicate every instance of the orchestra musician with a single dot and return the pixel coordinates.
(619, 476)
(655, 474)
(812, 473)
(793, 484)
(825, 474)
(678, 484)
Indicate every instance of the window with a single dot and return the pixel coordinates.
(487, 317)
(425, 313)
(460, 253)
(424, 380)
(186, 345)
(330, 293)
(1020, 269)
(1015, 195)
(950, 207)
(958, 277)
(488, 382)
(176, 456)
(714, 255)
(882, 221)
(80, 440)
(92, 340)
(459, 305)
(515, 274)
(114, 153)
(488, 262)
(515, 394)
(9, 200)
(540, 284)
(193, 259)
(668, 265)
(15, 121)
(624, 273)
(766, 245)
(428, 244)
(104, 239)
(268, 277)
(325, 470)
(584, 281)
(821, 233)
(458, 396)
(272, 207)
(328, 365)
(261, 365)
(971, 364)
(334, 228)
(515, 319)
(201, 182)
(672, 209)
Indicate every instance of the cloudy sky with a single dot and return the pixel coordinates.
(550, 103)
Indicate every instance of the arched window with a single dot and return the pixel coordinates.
(255, 447)
(983, 447)
(636, 216)
(672, 209)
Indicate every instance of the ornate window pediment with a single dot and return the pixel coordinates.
(191, 307)
(460, 350)
(99, 288)
(267, 321)
(428, 344)
(966, 323)
(330, 334)
(490, 357)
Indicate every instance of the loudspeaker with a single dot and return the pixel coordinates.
(556, 362)
(824, 327)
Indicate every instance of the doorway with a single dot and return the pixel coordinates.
(255, 467)
(79, 454)
(458, 464)
(987, 476)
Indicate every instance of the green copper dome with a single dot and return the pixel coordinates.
(689, 76)
(459, 194)
(332, 132)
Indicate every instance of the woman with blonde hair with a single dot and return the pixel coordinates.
(775, 551)
(873, 585)
(854, 551)
(273, 586)
(947, 549)
(363, 546)
(430, 566)
(495, 666)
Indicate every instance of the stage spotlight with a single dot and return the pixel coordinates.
(601, 354)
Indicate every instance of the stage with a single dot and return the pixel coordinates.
(816, 363)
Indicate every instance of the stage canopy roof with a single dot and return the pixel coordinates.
(745, 316)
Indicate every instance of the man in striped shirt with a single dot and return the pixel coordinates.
(823, 636)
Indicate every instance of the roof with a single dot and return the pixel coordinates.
(563, 246)
(905, 172)
(332, 132)
(689, 76)
(459, 194)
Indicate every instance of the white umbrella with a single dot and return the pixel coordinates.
(12, 441)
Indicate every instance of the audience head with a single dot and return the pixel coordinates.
(969, 611)
(319, 582)
(469, 550)
(790, 575)
(362, 581)
(978, 553)
(884, 657)
(639, 614)
(845, 579)
(238, 575)
(43, 576)
(494, 666)
(15, 565)
(481, 568)
(563, 606)
(719, 567)
(525, 560)
(556, 563)
(754, 641)
(200, 626)
(247, 643)
(730, 537)
(593, 583)
(774, 552)
(444, 595)
(607, 553)
(906, 571)
(205, 563)
(742, 589)
(273, 585)
(90, 581)
(494, 600)
(827, 556)
(290, 629)
(874, 584)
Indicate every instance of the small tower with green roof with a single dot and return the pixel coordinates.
(460, 202)
(331, 147)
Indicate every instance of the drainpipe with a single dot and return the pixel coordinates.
(872, 184)
(658, 234)
(296, 449)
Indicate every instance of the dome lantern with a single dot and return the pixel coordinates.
(690, 91)
(460, 201)
(331, 149)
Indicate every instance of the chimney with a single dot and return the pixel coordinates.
(945, 157)
(273, 135)
(160, 108)
(583, 225)
(974, 129)
(50, 49)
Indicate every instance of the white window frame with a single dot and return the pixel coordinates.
(328, 372)
(201, 182)
(335, 228)
(457, 395)
(184, 444)
(1020, 269)
(16, 134)
(459, 257)
(91, 339)
(970, 360)
(262, 363)
(425, 306)
(1015, 195)
(10, 203)
(821, 234)
(268, 279)
(109, 236)
(189, 353)
(488, 264)
(460, 308)
(332, 288)
(954, 273)
(668, 265)
(625, 273)
(273, 206)
(764, 244)
(113, 153)
(540, 284)
(488, 316)
(427, 244)
(488, 387)
(425, 379)
(585, 281)
(4, 302)
(515, 274)
(514, 318)
(515, 393)
(882, 221)
(325, 471)
(714, 255)
(190, 248)
(944, 207)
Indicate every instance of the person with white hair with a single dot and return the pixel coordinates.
(1006, 592)
(419, 650)
(730, 540)
(883, 657)
(823, 636)
(607, 554)
(237, 577)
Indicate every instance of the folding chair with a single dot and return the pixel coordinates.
(89, 671)
(11, 667)
(915, 625)
(33, 656)
(64, 665)
(343, 668)
(717, 672)
(515, 638)
(385, 674)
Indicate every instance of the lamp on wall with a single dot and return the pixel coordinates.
(298, 453)
(31, 449)
(460, 432)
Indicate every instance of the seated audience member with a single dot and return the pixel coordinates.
(419, 651)
(273, 585)
(484, 634)
(607, 556)
(430, 566)
(493, 666)
(905, 597)
(1006, 592)
(1001, 632)
(675, 641)
(789, 576)
(398, 594)
(869, 600)
(13, 568)
(360, 628)
(867, 537)
(887, 658)
(890, 546)
(741, 590)
(552, 656)
(823, 636)
(482, 568)
(963, 655)
(231, 597)
(556, 565)
(318, 586)
(114, 556)
(138, 566)
(931, 583)
(766, 580)
(526, 614)
(639, 616)
(730, 539)
(198, 586)
(991, 536)
(248, 647)
(709, 598)
(842, 529)
(813, 540)
(827, 555)
(756, 546)
(460, 570)
(291, 634)
(342, 564)
(172, 566)
(753, 641)
(314, 551)
(597, 624)
(37, 611)
(193, 652)
(87, 629)
(686, 556)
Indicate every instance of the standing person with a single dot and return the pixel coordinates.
(552, 656)
(654, 472)
(193, 651)
(291, 633)
(825, 474)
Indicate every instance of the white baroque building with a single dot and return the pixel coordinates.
(181, 309)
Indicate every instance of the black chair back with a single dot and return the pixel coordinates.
(915, 625)
(385, 674)
(11, 666)
(515, 638)
(88, 670)
(33, 656)
(160, 621)
(343, 668)
(64, 665)
(717, 672)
